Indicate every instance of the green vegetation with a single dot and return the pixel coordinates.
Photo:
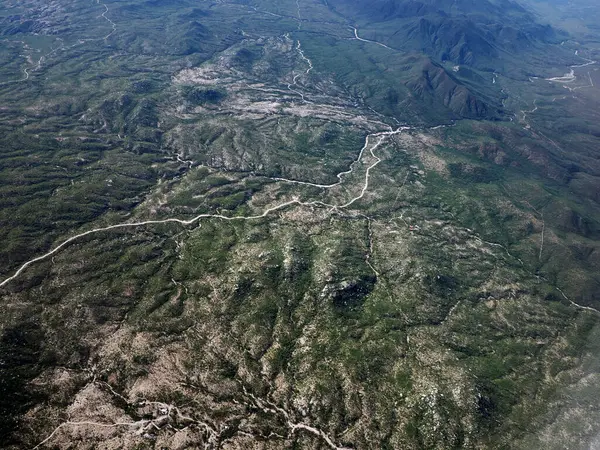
(427, 292)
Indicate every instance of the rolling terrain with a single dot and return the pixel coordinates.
(298, 224)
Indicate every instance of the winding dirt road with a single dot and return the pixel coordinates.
(356, 36)
(183, 222)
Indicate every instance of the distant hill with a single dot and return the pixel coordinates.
(484, 34)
